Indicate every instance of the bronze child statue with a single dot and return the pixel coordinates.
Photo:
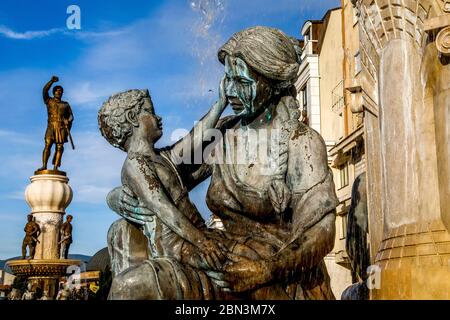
(179, 242)
(173, 225)
(60, 118)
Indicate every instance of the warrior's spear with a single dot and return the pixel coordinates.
(64, 239)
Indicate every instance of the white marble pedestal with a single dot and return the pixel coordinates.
(48, 196)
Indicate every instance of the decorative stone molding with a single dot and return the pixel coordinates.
(415, 242)
(48, 219)
(385, 20)
(41, 268)
(417, 256)
(443, 41)
(50, 223)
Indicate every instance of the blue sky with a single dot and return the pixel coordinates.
(167, 46)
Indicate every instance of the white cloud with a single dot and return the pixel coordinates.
(90, 35)
(37, 34)
(27, 35)
(14, 137)
(16, 195)
(172, 38)
(93, 168)
(14, 217)
(93, 194)
(83, 93)
(19, 166)
(286, 8)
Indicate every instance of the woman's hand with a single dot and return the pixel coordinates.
(223, 101)
(279, 195)
(123, 201)
(242, 274)
(213, 253)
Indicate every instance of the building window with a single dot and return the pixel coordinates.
(343, 172)
(357, 63)
(304, 94)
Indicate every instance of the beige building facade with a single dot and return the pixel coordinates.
(6, 281)
(348, 107)
(6, 278)
(333, 130)
(340, 128)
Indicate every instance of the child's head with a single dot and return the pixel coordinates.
(127, 110)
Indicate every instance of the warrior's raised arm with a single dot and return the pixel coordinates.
(47, 87)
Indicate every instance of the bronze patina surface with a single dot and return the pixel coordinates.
(59, 124)
(279, 221)
(32, 232)
(66, 237)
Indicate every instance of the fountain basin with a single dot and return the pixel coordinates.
(41, 267)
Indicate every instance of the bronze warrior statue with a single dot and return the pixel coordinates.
(60, 120)
(66, 237)
(32, 232)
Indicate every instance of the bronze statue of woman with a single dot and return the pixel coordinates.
(287, 215)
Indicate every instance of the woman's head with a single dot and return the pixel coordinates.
(123, 112)
(260, 62)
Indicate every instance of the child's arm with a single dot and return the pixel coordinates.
(150, 191)
(193, 141)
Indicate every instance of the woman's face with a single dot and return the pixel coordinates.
(246, 91)
(151, 123)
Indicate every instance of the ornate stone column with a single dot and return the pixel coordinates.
(437, 76)
(414, 101)
(48, 196)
